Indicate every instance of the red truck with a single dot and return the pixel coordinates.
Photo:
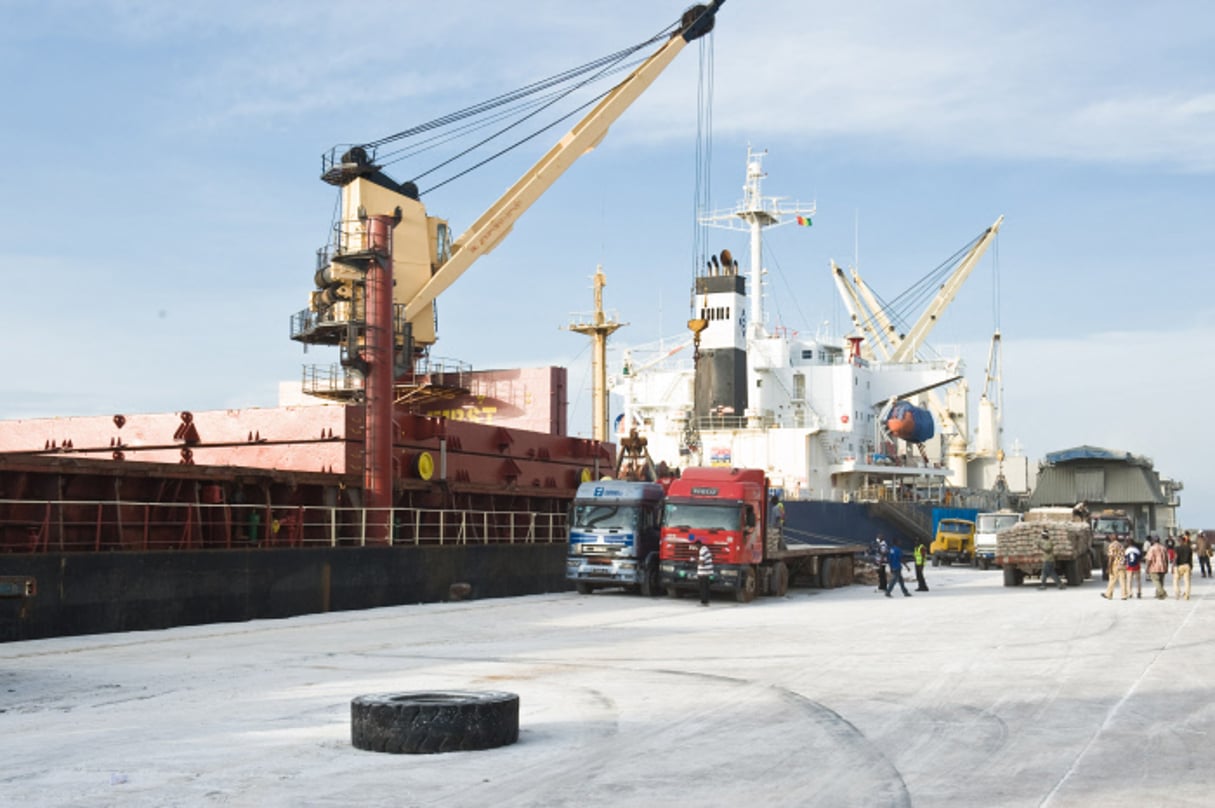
(728, 509)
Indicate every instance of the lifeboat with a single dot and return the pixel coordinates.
(910, 423)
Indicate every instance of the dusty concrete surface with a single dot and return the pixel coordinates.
(968, 695)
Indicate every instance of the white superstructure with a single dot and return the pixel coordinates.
(807, 410)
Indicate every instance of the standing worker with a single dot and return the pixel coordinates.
(704, 569)
(880, 551)
(776, 516)
(897, 564)
(1134, 575)
(1157, 566)
(1202, 549)
(1185, 563)
(1046, 546)
(1115, 559)
(921, 555)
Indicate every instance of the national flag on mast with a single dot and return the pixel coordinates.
(804, 221)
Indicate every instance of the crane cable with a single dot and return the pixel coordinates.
(702, 196)
(513, 95)
(531, 99)
(921, 292)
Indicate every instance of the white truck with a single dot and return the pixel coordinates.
(987, 525)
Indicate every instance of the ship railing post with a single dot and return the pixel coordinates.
(363, 526)
(333, 527)
(97, 530)
(46, 527)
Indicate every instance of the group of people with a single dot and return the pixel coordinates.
(1127, 563)
(891, 555)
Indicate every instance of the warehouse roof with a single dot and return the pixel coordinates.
(1095, 453)
(1113, 483)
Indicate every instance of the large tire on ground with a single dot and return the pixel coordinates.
(650, 585)
(825, 581)
(426, 723)
(1010, 576)
(746, 585)
(780, 579)
(583, 587)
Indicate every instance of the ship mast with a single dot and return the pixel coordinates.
(754, 214)
(598, 328)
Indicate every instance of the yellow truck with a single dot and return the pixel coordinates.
(954, 542)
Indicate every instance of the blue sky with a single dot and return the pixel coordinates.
(162, 205)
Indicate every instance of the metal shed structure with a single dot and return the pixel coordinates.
(1110, 478)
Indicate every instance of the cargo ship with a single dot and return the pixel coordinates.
(407, 480)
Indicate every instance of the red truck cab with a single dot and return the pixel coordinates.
(725, 509)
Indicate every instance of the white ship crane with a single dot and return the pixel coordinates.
(990, 427)
(886, 344)
(911, 343)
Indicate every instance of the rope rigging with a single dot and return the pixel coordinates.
(506, 112)
(917, 296)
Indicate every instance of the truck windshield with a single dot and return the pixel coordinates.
(702, 517)
(993, 522)
(599, 516)
(1112, 526)
(955, 527)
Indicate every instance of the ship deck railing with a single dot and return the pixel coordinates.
(50, 526)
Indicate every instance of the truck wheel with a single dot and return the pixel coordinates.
(780, 579)
(1010, 576)
(936, 559)
(842, 571)
(825, 581)
(1071, 571)
(583, 588)
(746, 585)
(427, 723)
(650, 585)
(985, 564)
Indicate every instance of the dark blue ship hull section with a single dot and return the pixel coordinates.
(824, 522)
